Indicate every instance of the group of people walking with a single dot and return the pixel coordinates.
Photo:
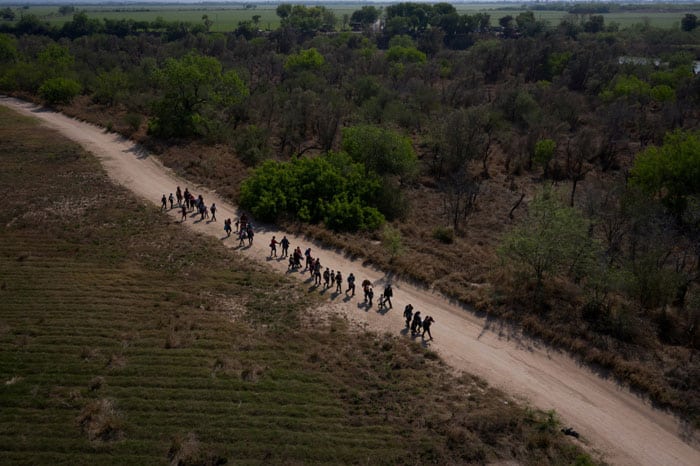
(188, 203)
(327, 278)
(416, 323)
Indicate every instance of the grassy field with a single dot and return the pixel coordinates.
(226, 18)
(126, 339)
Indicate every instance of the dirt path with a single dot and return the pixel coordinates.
(613, 422)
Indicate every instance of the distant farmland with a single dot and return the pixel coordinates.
(227, 17)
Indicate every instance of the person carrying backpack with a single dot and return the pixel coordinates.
(426, 326)
(408, 314)
(351, 284)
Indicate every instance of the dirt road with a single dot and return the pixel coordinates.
(613, 422)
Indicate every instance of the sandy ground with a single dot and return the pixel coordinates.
(614, 424)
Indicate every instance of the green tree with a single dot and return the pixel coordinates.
(197, 96)
(380, 150)
(305, 60)
(364, 17)
(689, 22)
(671, 171)
(111, 87)
(552, 239)
(59, 90)
(7, 14)
(544, 153)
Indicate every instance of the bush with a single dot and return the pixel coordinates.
(330, 189)
(444, 234)
(56, 91)
(133, 120)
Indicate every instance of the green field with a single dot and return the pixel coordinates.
(226, 18)
(127, 339)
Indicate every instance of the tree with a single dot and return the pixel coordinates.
(552, 239)
(382, 151)
(364, 17)
(7, 14)
(671, 171)
(306, 60)
(544, 153)
(196, 93)
(59, 90)
(689, 22)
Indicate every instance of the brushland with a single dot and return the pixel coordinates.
(127, 339)
(493, 117)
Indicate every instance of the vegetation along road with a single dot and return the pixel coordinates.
(611, 420)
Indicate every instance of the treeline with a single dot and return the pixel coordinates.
(441, 114)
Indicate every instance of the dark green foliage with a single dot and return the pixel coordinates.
(251, 145)
(330, 189)
(380, 150)
(689, 22)
(198, 95)
(671, 171)
(59, 90)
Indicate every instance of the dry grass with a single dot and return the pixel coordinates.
(89, 307)
(100, 422)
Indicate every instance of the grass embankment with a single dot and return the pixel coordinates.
(126, 339)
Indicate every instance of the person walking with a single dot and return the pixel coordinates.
(171, 198)
(250, 234)
(317, 272)
(212, 209)
(366, 284)
(416, 323)
(184, 214)
(163, 203)
(227, 227)
(285, 246)
(351, 284)
(338, 282)
(388, 293)
(326, 278)
(426, 326)
(332, 278)
(178, 196)
(408, 314)
(370, 296)
(273, 247)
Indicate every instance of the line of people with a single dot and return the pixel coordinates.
(328, 278)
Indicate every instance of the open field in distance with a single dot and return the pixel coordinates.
(226, 17)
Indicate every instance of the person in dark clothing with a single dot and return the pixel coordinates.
(351, 284)
(426, 326)
(416, 323)
(178, 195)
(370, 296)
(285, 246)
(338, 282)
(164, 203)
(184, 214)
(227, 227)
(273, 247)
(408, 314)
(212, 209)
(171, 198)
(388, 293)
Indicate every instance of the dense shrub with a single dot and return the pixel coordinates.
(59, 90)
(330, 189)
